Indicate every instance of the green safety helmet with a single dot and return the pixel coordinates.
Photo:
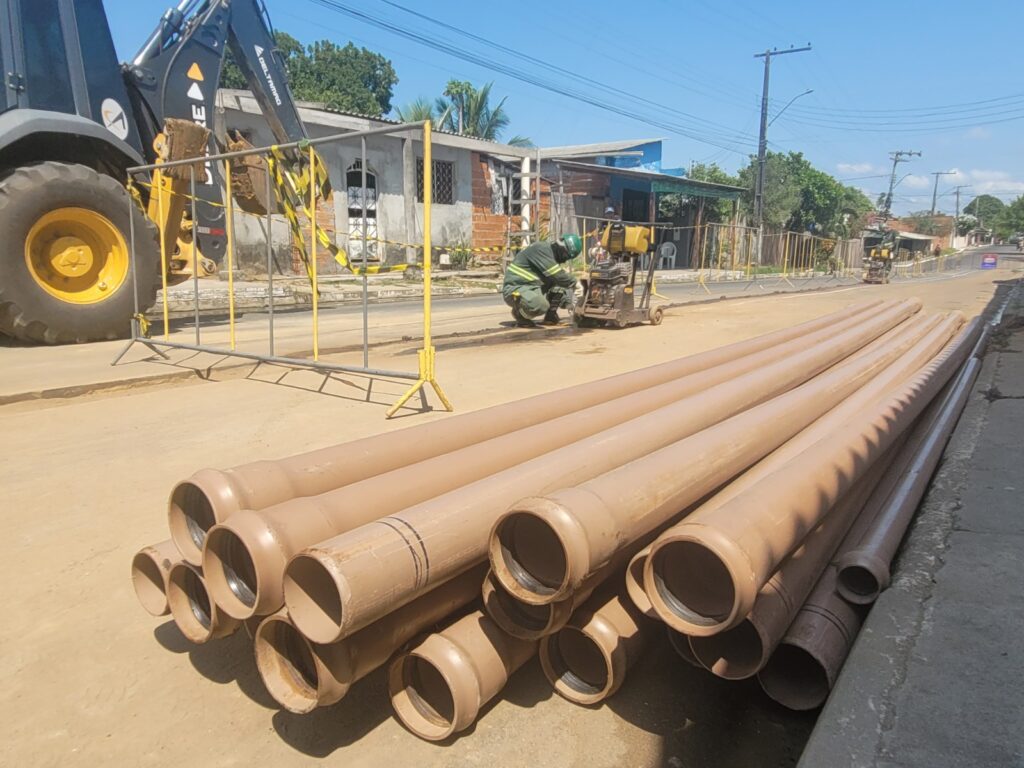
(573, 245)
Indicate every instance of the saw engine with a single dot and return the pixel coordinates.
(609, 288)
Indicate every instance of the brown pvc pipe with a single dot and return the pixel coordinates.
(805, 666)
(543, 547)
(245, 556)
(865, 571)
(531, 621)
(587, 660)
(339, 585)
(150, 568)
(524, 620)
(439, 687)
(211, 496)
(635, 583)
(939, 332)
(197, 616)
(704, 574)
(302, 675)
(743, 650)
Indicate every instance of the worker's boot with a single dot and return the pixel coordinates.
(551, 317)
(522, 320)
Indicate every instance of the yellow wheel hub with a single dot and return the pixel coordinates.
(76, 255)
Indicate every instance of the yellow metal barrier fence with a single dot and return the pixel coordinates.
(295, 189)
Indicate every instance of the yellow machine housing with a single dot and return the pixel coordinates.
(626, 239)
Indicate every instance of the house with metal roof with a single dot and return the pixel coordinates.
(485, 194)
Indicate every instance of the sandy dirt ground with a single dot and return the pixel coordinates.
(87, 678)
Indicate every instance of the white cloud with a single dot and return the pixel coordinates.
(917, 181)
(983, 180)
(982, 175)
(854, 167)
(978, 133)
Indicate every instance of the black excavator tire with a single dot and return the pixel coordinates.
(30, 313)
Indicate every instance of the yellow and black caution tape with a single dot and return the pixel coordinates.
(292, 190)
(143, 324)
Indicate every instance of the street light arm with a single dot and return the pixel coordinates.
(779, 113)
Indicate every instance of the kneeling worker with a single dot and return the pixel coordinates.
(537, 283)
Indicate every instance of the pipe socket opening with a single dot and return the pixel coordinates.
(579, 663)
(858, 584)
(287, 666)
(313, 599)
(693, 583)
(517, 618)
(148, 580)
(228, 561)
(190, 516)
(190, 604)
(635, 585)
(795, 679)
(532, 553)
(735, 654)
(424, 702)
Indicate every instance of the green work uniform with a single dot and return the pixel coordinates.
(536, 282)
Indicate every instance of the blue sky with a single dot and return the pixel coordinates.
(688, 67)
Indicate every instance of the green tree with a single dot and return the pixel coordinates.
(418, 111)
(966, 223)
(466, 110)
(801, 198)
(986, 208)
(1011, 220)
(715, 211)
(346, 78)
(782, 193)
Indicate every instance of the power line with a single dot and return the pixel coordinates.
(723, 142)
(963, 106)
(553, 67)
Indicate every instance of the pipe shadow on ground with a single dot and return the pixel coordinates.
(229, 659)
(327, 729)
(704, 720)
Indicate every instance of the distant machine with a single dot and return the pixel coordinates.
(878, 259)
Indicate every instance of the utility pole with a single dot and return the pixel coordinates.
(762, 142)
(897, 157)
(935, 189)
(956, 218)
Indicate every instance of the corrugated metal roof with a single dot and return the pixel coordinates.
(591, 150)
(680, 183)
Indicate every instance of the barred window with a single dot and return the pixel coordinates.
(512, 204)
(443, 192)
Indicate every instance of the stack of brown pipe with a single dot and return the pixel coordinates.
(452, 552)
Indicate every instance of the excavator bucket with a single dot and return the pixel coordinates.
(183, 140)
(249, 179)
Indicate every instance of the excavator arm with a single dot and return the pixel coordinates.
(175, 75)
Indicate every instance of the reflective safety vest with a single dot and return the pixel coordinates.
(536, 265)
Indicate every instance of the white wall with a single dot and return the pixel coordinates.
(451, 224)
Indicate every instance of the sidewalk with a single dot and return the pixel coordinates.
(936, 677)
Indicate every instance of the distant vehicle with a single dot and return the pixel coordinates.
(989, 261)
(1016, 238)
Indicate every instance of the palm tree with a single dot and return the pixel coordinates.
(469, 111)
(464, 110)
(418, 111)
